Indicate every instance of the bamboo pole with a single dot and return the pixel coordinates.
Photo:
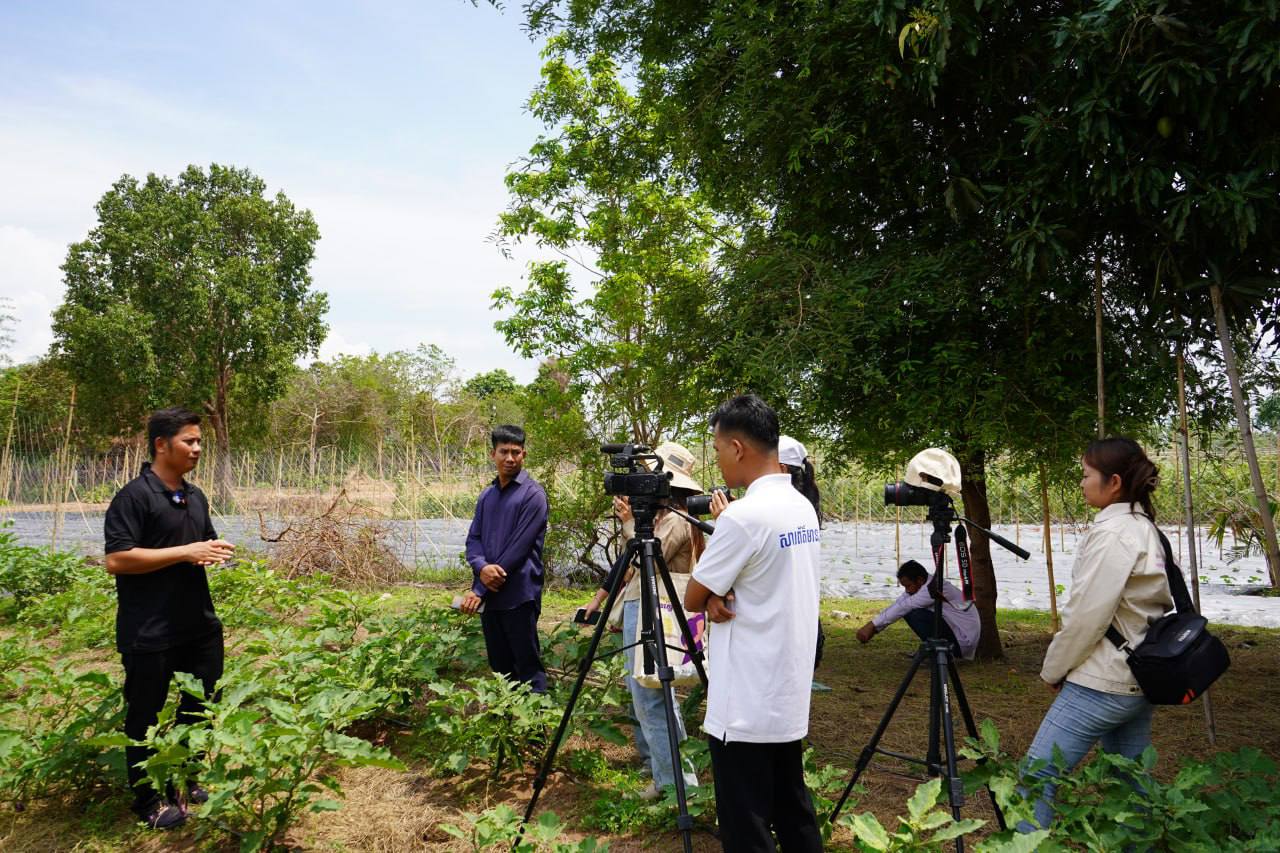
(1246, 434)
(1189, 518)
(1048, 546)
(6, 464)
(63, 475)
(1097, 334)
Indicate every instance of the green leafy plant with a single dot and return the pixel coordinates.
(57, 726)
(487, 720)
(501, 827)
(925, 827)
(28, 574)
(264, 761)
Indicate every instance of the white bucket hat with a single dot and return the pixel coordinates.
(791, 452)
(679, 461)
(935, 462)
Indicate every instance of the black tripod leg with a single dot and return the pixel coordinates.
(584, 668)
(677, 607)
(864, 758)
(650, 558)
(967, 715)
(955, 785)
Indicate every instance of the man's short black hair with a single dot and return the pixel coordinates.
(750, 416)
(506, 434)
(167, 423)
(912, 570)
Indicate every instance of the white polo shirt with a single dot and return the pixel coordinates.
(766, 549)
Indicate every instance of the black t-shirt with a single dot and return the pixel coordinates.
(170, 606)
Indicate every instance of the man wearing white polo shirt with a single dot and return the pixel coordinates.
(758, 582)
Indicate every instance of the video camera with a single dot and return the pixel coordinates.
(634, 479)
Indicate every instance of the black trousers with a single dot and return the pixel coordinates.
(147, 677)
(760, 792)
(511, 639)
(921, 621)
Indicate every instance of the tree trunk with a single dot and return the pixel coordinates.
(973, 491)
(1246, 435)
(224, 495)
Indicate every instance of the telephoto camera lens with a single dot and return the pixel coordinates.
(905, 494)
(701, 504)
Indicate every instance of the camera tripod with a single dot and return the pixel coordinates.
(940, 656)
(645, 552)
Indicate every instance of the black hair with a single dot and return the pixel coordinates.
(805, 481)
(1139, 476)
(912, 570)
(507, 434)
(166, 423)
(749, 416)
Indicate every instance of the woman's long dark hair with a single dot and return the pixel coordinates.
(1122, 456)
(697, 541)
(805, 480)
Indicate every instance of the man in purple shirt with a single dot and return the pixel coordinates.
(504, 548)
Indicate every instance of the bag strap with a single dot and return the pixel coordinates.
(1177, 584)
(1177, 588)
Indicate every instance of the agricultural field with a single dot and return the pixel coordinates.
(363, 718)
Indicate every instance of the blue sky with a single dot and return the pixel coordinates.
(393, 122)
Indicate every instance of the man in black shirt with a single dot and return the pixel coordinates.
(159, 538)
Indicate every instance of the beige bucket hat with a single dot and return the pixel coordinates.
(679, 461)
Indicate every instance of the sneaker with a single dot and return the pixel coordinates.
(650, 793)
(164, 815)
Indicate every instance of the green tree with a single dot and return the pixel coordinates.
(879, 300)
(185, 290)
(489, 384)
(7, 322)
(641, 238)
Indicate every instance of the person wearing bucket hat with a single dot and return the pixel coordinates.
(681, 545)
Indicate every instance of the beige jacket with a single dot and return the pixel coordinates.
(677, 550)
(1119, 579)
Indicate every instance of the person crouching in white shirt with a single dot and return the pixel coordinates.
(961, 624)
(758, 583)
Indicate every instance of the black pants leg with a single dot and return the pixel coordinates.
(147, 677)
(921, 621)
(760, 791)
(511, 640)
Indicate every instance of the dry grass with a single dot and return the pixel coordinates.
(341, 542)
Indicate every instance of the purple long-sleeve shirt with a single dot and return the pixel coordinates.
(508, 529)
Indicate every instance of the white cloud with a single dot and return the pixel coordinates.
(29, 276)
(403, 257)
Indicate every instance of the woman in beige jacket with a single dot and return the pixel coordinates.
(1118, 579)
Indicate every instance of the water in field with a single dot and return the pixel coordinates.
(859, 560)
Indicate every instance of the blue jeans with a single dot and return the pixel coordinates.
(1079, 718)
(920, 620)
(648, 707)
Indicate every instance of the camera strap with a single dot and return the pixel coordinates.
(962, 562)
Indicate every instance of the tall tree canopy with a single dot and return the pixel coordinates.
(186, 291)
(616, 308)
(890, 297)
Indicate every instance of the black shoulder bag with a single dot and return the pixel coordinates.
(1179, 658)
